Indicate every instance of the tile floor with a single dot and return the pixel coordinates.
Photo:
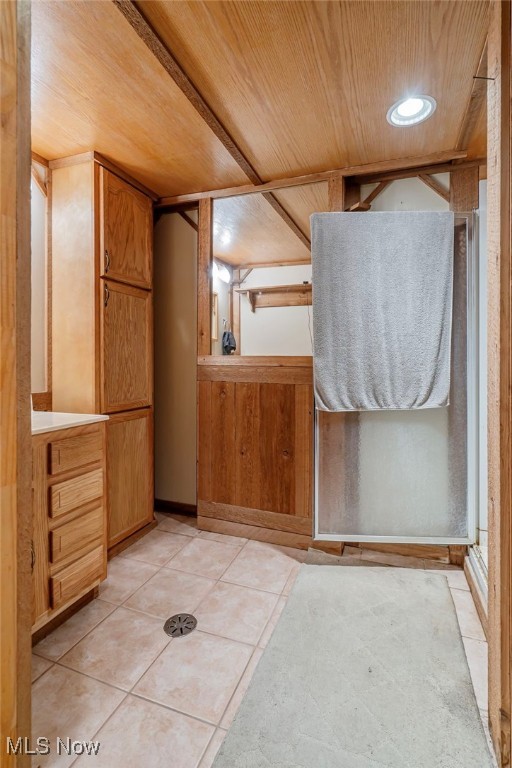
(110, 674)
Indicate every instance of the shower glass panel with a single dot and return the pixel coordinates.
(408, 475)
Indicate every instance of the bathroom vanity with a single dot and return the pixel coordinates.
(69, 540)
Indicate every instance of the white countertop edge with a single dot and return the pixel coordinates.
(51, 421)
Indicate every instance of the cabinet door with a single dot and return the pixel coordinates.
(129, 473)
(126, 231)
(126, 347)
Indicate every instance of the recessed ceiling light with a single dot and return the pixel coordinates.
(411, 111)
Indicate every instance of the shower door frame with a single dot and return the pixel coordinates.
(472, 409)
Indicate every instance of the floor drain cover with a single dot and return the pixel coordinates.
(181, 624)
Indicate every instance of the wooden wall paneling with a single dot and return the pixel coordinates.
(304, 450)
(499, 377)
(255, 446)
(223, 462)
(249, 477)
(204, 440)
(204, 276)
(257, 361)
(262, 374)
(277, 406)
(15, 460)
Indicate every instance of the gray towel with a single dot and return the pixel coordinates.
(382, 309)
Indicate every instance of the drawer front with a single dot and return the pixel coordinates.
(77, 577)
(73, 452)
(74, 493)
(70, 538)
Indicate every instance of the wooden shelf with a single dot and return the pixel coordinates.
(278, 296)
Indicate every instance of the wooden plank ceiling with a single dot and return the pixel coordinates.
(248, 232)
(300, 87)
(96, 86)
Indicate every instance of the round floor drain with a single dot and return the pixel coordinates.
(181, 624)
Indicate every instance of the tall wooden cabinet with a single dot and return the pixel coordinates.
(102, 320)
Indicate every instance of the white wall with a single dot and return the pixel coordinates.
(175, 302)
(276, 330)
(409, 195)
(39, 322)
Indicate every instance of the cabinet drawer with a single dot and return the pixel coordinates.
(70, 538)
(73, 493)
(73, 452)
(74, 579)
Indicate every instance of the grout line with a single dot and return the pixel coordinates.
(56, 661)
(173, 709)
(102, 725)
(237, 686)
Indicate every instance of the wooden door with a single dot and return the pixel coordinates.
(129, 473)
(126, 347)
(126, 226)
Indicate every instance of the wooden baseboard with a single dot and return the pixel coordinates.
(125, 543)
(293, 524)
(178, 507)
(477, 594)
(255, 532)
(426, 551)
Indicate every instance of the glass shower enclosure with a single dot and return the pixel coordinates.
(409, 476)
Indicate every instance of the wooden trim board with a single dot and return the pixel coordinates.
(15, 430)
(499, 330)
(257, 517)
(254, 532)
(385, 170)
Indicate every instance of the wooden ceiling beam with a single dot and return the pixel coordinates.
(376, 192)
(384, 170)
(435, 186)
(408, 173)
(150, 38)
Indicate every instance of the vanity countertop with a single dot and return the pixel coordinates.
(50, 421)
